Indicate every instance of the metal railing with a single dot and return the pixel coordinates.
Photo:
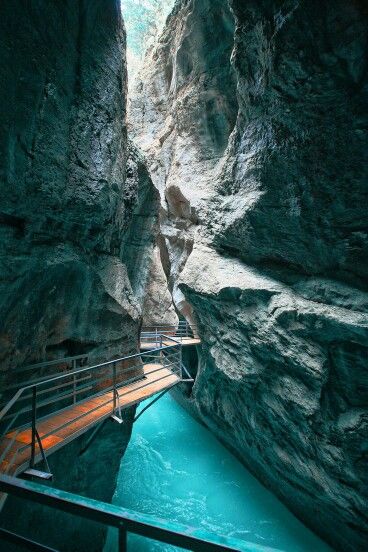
(40, 400)
(126, 521)
(180, 331)
(24, 375)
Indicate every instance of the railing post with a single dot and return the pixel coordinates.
(114, 385)
(34, 420)
(116, 398)
(156, 337)
(74, 366)
(181, 362)
(123, 539)
(35, 436)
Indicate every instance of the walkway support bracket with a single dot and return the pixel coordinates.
(31, 471)
(116, 401)
(150, 404)
(92, 437)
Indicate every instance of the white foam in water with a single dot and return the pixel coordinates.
(175, 469)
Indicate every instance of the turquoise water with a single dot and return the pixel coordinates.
(175, 469)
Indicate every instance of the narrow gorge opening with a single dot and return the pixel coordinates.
(183, 275)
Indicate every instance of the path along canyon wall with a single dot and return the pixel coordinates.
(253, 117)
(78, 215)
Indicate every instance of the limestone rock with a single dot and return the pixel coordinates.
(283, 381)
(253, 116)
(181, 114)
(158, 307)
(67, 205)
(294, 186)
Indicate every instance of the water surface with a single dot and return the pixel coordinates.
(175, 469)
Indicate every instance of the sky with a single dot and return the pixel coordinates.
(144, 20)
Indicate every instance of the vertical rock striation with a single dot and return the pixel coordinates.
(67, 207)
(78, 217)
(181, 115)
(253, 117)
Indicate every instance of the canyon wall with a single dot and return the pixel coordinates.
(253, 117)
(78, 217)
(67, 204)
(181, 115)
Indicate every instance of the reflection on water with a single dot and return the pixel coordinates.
(175, 469)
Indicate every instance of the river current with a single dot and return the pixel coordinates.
(175, 469)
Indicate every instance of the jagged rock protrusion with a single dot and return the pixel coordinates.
(181, 115)
(258, 145)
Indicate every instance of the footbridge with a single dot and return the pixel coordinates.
(160, 334)
(50, 411)
(47, 411)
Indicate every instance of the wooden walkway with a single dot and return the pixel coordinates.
(184, 341)
(60, 428)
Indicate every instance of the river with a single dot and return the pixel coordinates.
(175, 469)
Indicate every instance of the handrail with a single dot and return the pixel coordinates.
(182, 324)
(182, 330)
(77, 372)
(170, 532)
(179, 323)
(25, 543)
(11, 402)
(50, 392)
(53, 362)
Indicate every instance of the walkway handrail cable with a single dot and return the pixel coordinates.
(82, 370)
(174, 358)
(93, 409)
(54, 362)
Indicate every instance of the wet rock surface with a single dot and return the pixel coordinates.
(266, 231)
(67, 205)
(78, 217)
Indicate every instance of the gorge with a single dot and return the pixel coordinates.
(228, 188)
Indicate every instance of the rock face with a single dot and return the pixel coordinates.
(260, 158)
(158, 306)
(181, 115)
(67, 205)
(78, 216)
